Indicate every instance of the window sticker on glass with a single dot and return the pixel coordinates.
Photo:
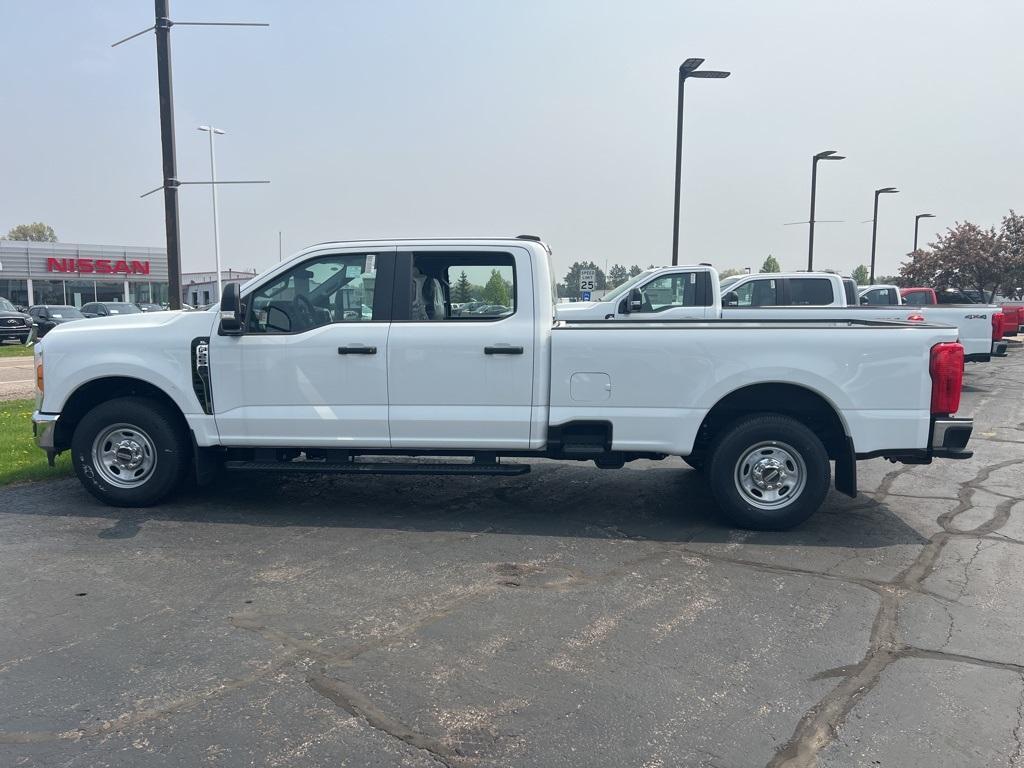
(353, 270)
(371, 262)
(693, 277)
(773, 284)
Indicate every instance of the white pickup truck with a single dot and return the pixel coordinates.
(348, 356)
(693, 292)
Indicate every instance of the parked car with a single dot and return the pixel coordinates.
(49, 316)
(761, 408)
(15, 325)
(108, 308)
(146, 306)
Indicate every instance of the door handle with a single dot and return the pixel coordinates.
(353, 350)
(503, 350)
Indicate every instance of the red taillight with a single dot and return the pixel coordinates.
(1011, 320)
(947, 370)
(997, 326)
(915, 318)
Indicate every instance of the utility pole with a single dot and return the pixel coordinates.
(162, 27)
(163, 74)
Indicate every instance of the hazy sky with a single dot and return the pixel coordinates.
(501, 117)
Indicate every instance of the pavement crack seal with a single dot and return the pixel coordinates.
(820, 725)
(355, 703)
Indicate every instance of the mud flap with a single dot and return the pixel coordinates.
(846, 471)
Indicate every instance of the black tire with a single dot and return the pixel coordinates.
(140, 423)
(758, 451)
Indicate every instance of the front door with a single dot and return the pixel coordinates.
(310, 368)
(462, 376)
(674, 296)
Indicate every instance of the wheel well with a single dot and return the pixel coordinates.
(97, 391)
(810, 408)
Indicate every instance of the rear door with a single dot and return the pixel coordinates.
(462, 380)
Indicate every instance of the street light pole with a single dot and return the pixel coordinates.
(213, 189)
(828, 155)
(874, 228)
(917, 220)
(686, 69)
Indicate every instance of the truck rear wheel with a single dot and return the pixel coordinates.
(129, 452)
(769, 472)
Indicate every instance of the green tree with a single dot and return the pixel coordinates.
(965, 256)
(634, 271)
(771, 264)
(462, 291)
(729, 273)
(1011, 252)
(496, 290)
(860, 275)
(617, 275)
(36, 232)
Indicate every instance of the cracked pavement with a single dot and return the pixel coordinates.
(571, 617)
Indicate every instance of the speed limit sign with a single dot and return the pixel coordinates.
(588, 278)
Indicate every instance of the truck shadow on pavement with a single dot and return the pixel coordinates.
(657, 502)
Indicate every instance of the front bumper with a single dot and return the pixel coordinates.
(44, 427)
(12, 334)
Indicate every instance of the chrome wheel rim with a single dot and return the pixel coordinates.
(770, 475)
(124, 455)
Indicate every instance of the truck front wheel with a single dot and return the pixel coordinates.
(129, 452)
(769, 472)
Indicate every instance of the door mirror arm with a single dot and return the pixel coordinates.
(230, 311)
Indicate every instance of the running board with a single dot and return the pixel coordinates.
(378, 468)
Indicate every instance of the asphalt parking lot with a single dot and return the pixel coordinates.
(572, 617)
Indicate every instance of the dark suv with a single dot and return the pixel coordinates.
(108, 308)
(14, 325)
(49, 316)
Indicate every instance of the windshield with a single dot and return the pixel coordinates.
(6, 306)
(627, 285)
(725, 284)
(120, 308)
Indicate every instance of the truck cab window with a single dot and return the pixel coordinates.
(325, 290)
(462, 286)
(917, 298)
(670, 291)
(755, 293)
(810, 292)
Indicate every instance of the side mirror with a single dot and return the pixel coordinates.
(864, 300)
(230, 311)
(89, 314)
(636, 300)
(730, 300)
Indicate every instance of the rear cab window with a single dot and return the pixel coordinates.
(461, 286)
(810, 292)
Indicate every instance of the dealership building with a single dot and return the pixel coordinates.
(72, 273)
(75, 274)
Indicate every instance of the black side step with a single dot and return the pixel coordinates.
(379, 467)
